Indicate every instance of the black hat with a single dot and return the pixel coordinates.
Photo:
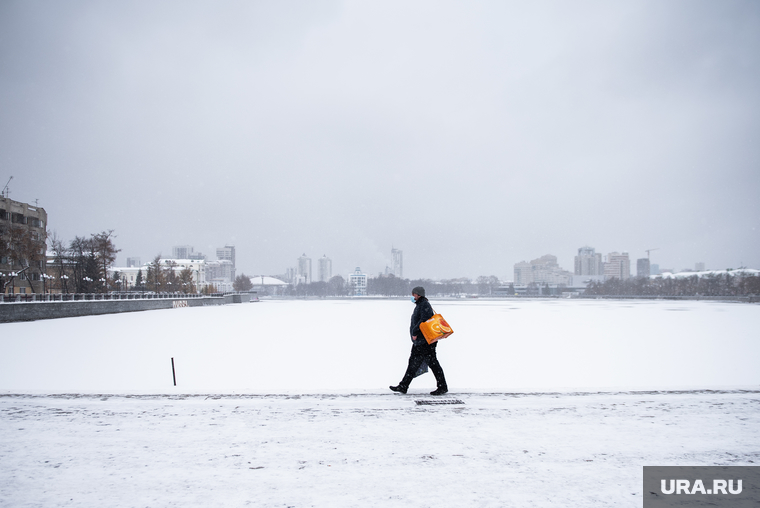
(419, 290)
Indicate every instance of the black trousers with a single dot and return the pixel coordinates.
(419, 353)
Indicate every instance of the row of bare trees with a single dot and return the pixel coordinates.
(81, 265)
(394, 286)
(731, 283)
(390, 285)
(165, 277)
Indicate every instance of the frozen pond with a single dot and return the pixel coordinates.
(361, 346)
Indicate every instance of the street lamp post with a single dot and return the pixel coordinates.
(45, 277)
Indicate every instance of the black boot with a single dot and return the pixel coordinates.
(399, 388)
(440, 391)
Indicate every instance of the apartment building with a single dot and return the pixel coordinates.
(23, 240)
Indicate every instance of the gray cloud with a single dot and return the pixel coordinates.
(470, 135)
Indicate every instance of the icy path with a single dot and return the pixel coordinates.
(362, 450)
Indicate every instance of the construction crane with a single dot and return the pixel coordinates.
(650, 250)
(5, 189)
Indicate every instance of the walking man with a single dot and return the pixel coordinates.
(421, 350)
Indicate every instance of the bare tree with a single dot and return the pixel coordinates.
(105, 250)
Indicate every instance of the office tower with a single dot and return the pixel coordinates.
(182, 251)
(588, 262)
(643, 268)
(226, 253)
(617, 266)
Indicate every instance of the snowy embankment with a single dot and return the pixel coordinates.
(362, 450)
(337, 437)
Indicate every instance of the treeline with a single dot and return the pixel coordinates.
(164, 278)
(718, 284)
(81, 265)
(394, 286)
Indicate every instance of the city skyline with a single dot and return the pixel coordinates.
(587, 262)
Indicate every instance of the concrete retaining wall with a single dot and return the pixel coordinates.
(237, 298)
(10, 312)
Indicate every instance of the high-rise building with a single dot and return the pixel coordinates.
(588, 262)
(398, 262)
(643, 268)
(654, 269)
(617, 266)
(324, 269)
(227, 253)
(304, 268)
(131, 262)
(699, 267)
(523, 273)
(182, 251)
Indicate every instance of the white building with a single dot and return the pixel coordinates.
(544, 270)
(617, 266)
(221, 273)
(227, 253)
(324, 269)
(268, 286)
(128, 274)
(523, 273)
(358, 282)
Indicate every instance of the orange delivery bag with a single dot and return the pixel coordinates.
(435, 328)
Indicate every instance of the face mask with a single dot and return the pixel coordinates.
(413, 300)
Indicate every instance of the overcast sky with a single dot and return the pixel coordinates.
(470, 135)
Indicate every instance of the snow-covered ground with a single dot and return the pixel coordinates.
(285, 403)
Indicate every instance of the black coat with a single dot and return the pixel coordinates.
(422, 312)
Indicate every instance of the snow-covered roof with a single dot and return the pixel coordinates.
(679, 275)
(263, 280)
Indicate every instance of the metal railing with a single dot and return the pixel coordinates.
(71, 297)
